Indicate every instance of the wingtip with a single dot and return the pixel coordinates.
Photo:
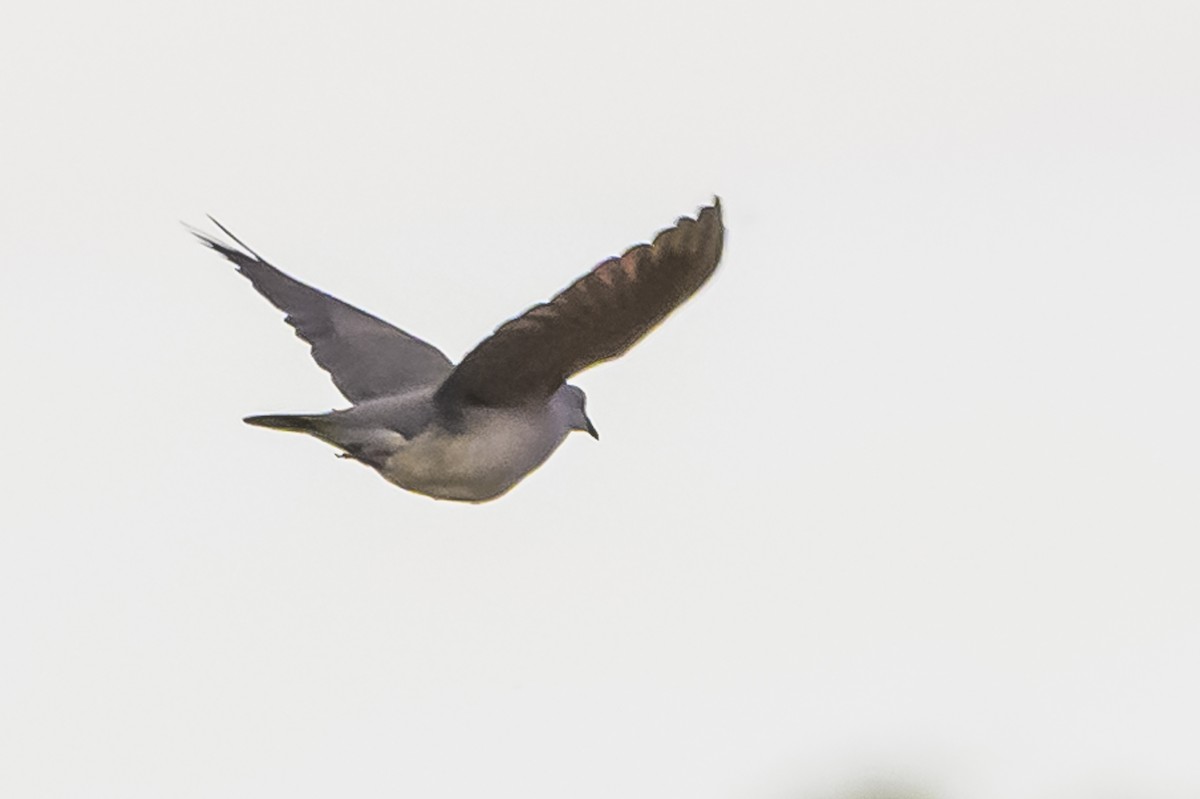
(203, 237)
(715, 207)
(211, 242)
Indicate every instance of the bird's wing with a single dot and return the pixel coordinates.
(596, 318)
(365, 356)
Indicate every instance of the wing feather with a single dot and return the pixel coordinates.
(365, 356)
(596, 318)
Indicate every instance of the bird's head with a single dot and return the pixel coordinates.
(576, 403)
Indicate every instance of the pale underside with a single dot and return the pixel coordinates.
(502, 446)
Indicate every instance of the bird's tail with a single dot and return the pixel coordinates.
(298, 423)
(371, 445)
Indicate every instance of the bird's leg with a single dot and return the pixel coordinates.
(361, 455)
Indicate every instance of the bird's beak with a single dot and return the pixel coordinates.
(591, 429)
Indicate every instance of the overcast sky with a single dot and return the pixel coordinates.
(906, 495)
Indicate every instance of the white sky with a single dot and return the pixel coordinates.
(907, 494)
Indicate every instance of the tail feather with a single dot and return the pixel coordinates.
(371, 445)
(297, 423)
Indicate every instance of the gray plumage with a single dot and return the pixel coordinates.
(473, 431)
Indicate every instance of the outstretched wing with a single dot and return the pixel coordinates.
(596, 318)
(365, 356)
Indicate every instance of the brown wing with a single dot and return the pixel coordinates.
(596, 318)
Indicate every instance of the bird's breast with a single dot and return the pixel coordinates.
(490, 454)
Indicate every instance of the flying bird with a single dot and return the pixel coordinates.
(473, 431)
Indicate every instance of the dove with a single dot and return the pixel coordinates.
(470, 432)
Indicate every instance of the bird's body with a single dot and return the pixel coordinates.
(503, 445)
(472, 432)
(473, 458)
